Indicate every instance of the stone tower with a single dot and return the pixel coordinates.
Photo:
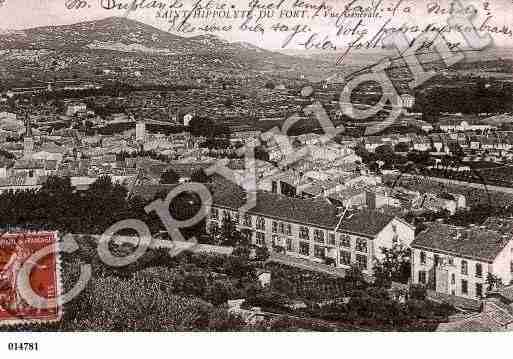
(28, 139)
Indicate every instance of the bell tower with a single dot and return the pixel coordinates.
(28, 139)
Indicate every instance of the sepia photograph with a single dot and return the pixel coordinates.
(255, 166)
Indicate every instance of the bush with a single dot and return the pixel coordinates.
(418, 292)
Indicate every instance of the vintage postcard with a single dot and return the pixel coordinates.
(256, 166)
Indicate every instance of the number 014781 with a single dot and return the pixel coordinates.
(23, 347)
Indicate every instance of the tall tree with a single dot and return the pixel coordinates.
(169, 177)
(394, 266)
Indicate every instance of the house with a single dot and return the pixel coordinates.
(244, 134)
(75, 107)
(462, 124)
(34, 168)
(440, 201)
(50, 152)
(311, 229)
(437, 143)
(421, 143)
(371, 143)
(21, 182)
(459, 261)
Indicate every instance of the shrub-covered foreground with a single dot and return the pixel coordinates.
(189, 292)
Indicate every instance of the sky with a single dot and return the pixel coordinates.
(21, 14)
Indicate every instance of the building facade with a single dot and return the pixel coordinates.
(461, 261)
(313, 230)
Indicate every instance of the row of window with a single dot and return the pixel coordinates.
(464, 284)
(464, 264)
(361, 261)
(286, 228)
(283, 228)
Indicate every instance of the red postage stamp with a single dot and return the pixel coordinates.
(29, 260)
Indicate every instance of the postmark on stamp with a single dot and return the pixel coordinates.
(22, 266)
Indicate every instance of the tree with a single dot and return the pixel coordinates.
(228, 102)
(262, 253)
(261, 154)
(418, 292)
(420, 158)
(230, 234)
(394, 266)
(270, 85)
(402, 147)
(169, 177)
(493, 282)
(354, 277)
(201, 126)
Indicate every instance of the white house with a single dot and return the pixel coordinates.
(457, 261)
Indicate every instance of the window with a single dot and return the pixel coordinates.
(331, 239)
(345, 241)
(422, 277)
(451, 261)
(453, 278)
(226, 215)
(319, 236)
(319, 252)
(214, 227)
(276, 240)
(422, 258)
(511, 267)
(282, 228)
(479, 270)
(260, 238)
(464, 286)
(361, 261)
(345, 258)
(289, 245)
(436, 260)
(479, 290)
(260, 223)
(288, 230)
(464, 267)
(236, 218)
(361, 245)
(215, 213)
(248, 234)
(275, 227)
(304, 248)
(304, 233)
(248, 220)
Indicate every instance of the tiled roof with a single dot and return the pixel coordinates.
(35, 164)
(504, 292)
(365, 222)
(148, 192)
(473, 243)
(501, 225)
(492, 318)
(314, 212)
(474, 324)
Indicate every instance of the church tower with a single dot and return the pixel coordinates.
(28, 140)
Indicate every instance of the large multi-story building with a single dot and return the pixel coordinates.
(312, 229)
(462, 261)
